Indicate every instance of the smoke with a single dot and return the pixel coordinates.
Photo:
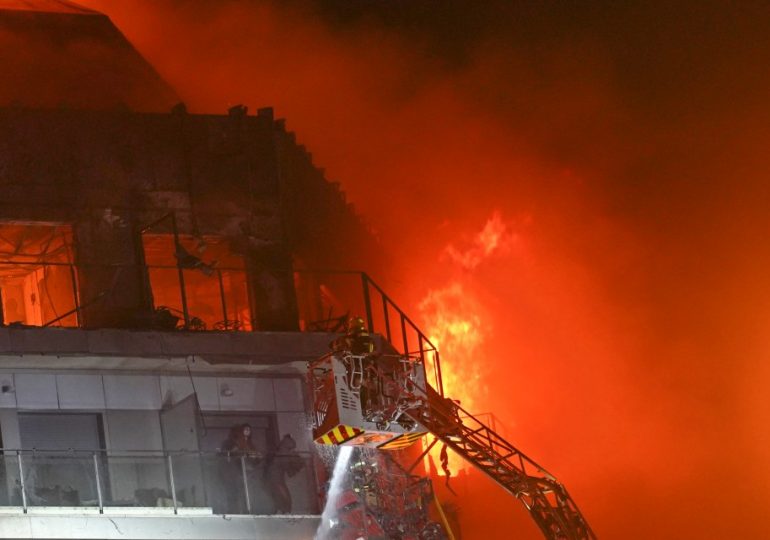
(622, 329)
(63, 60)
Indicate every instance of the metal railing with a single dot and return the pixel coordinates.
(60, 299)
(327, 299)
(217, 299)
(383, 314)
(225, 484)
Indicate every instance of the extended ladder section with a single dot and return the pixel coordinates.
(545, 498)
(387, 401)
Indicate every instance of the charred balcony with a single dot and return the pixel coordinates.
(50, 277)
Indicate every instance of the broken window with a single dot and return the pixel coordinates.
(213, 281)
(326, 300)
(37, 279)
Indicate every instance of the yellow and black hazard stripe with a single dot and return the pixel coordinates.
(339, 435)
(407, 439)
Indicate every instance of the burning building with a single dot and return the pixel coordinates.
(165, 281)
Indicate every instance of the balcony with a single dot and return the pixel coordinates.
(50, 294)
(201, 302)
(150, 494)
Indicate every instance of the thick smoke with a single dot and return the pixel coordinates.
(624, 331)
(74, 58)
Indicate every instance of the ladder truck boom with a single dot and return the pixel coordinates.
(383, 401)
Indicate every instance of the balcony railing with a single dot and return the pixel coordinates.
(51, 294)
(223, 484)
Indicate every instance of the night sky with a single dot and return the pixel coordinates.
(624, 144)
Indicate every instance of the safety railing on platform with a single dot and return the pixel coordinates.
(326, 300)
(383, 316)
(215, 481)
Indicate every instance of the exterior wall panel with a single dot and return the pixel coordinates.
(288, 395)
(36, 391)
(8, 398)
(80, 391)
(132, 392)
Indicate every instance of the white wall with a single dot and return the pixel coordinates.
(99, 392)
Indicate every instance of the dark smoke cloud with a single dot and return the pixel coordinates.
(624, 141)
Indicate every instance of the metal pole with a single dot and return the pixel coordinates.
(387, 317)
(245, 484)
(21, 481)
(437, 367)
(182, 289)
(224, 300)
(98, 485)
(403, 334)
(171, 481)
(76, 295)
(367, 302)
(422, 456)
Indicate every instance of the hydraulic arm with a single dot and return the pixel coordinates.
(383, 402)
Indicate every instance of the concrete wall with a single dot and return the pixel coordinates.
(18, 346)
(41, 524)
(150, 392)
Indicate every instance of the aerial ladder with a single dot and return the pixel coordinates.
(383, 401)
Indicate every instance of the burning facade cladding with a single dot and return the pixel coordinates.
(156, 297)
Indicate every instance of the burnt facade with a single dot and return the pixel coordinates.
(165, 278)
(228, 193)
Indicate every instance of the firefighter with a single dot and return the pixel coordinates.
(356, 341)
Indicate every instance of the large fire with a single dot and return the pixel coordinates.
(457, 322)
(638, 314)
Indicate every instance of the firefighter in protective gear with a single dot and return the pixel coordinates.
(356, 341)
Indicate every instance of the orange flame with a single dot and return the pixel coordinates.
(456, 328)
(457, 323)
(493, 238)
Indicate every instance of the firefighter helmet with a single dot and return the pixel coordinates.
(356, 325)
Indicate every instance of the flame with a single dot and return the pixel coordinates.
(495, 237)
(455, 326)
(458, 324)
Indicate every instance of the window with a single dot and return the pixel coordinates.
(60, 472)
(61, 431)
(37, 280)
(215, 281)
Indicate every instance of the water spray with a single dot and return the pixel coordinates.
(329, 515)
